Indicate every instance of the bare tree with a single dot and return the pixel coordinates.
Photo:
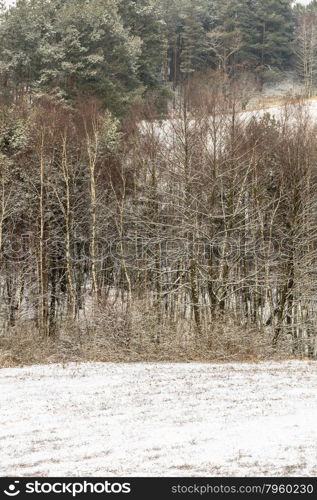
(305, 48)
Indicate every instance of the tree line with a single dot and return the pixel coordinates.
(122, 50)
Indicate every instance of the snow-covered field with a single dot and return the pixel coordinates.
(308, 108)
(169, 131)
(159, 419)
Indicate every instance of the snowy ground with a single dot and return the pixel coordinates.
(308, 108)
(160, 420)
(169, 130)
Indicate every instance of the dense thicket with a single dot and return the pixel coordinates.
(161, 233)
(194, 232)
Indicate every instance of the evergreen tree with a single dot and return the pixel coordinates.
(144, 19)
(272, 32)
(95, 54)
(21, 30)
(77, 47)
(187, 23)
(227, 37)
(262, 28)
(193, 37)
(117, 50)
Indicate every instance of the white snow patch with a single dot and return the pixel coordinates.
(159, 420)
(306, 108)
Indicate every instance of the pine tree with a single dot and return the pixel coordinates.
(226, 39)
(77, 47)
(193, 37)
(187, 23)
(144, 19)
(21, 30)
(273, 28)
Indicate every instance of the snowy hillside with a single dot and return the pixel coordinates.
(190, 420)
(307, 108)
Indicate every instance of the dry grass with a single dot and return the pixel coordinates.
(266, 102)
(141, 337)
